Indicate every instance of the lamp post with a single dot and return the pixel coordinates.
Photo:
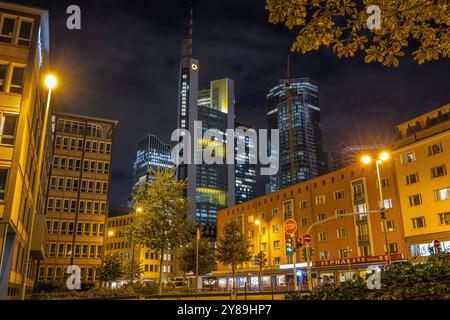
(133, 245)
(258, 223)
(383, 156)
(50, 82)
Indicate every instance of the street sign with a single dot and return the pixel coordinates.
(307, 238)
(290, 226)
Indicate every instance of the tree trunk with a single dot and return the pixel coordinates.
(160, 270)
(234, 276)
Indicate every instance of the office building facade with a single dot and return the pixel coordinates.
(77, 202)
(210, 187)
(343, 246)
(153, 154)
(293, 108)
(245, 172)
(147, 260)
(24, 54)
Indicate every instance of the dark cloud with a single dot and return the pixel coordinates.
(123, 65)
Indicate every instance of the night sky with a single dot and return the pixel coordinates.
(124, 65)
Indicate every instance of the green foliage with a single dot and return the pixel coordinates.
(112, 269)
(342, 25)
(206, 257)
(233, 247)
(133, 269)
(163, 224)
(402, 281)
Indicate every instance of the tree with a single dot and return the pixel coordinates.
(162, 225)
(112, 269)
(206, 257)
(133, 269)
(233, 247)
(343, 26)
(401, 281)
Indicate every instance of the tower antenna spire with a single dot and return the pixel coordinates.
(191, 23)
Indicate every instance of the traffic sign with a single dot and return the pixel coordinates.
(307, 238)
(290, 226)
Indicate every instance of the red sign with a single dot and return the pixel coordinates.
(307, 238)
(359, 260)
(290, 226)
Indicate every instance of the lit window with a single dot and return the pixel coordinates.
(442, 194)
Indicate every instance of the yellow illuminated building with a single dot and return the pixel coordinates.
(422, 161)
(77, 202)
(24, 53)
(343, 246)
(117, 242)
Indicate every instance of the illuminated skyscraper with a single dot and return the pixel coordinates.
(151, 154)
(210, 187)
(246, 172)
(301, 150)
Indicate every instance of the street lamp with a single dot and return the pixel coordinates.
(382, 157)
(258, 223)
(50, 82)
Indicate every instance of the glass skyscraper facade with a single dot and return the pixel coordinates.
(245, 172)
(301, 148)
(151, 154)
(210, 187)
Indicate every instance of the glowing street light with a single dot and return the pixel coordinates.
(51, 81)
(366, 159)
(139, 209)
(384, 156)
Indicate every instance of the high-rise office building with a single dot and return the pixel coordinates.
(24, 54)
(210, 187)
(245, 172)
(77, 202)
(343, 156)
(151, 153)
(293, 108)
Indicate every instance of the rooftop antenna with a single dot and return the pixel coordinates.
(191, 24)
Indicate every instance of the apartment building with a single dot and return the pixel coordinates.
(117, 242)
(24, 52)
(77, 202)
(422, 161)
(343, 247)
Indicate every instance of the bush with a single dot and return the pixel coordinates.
(402, 281)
